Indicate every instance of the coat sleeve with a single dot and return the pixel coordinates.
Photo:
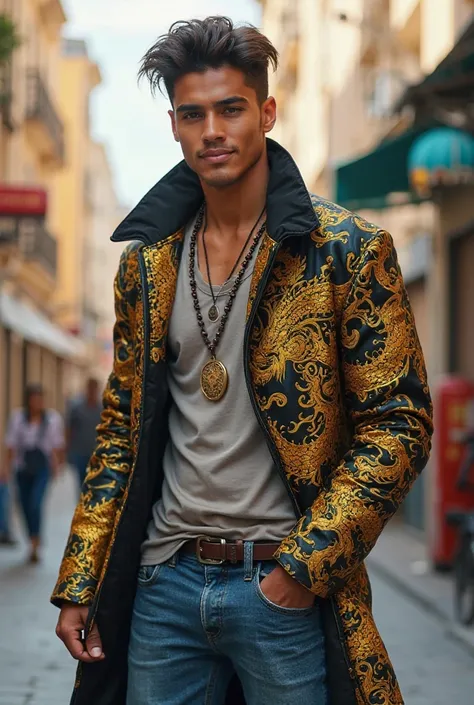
(389, 408)
(109, 468)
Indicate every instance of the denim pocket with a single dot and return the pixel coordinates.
(148, 574)
(262, 573)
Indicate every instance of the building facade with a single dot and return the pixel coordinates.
(32, 151)
(78, 76)
(345, 64)
(55, 188)
(101, 259)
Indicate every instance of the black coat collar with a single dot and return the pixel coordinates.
(174, 200)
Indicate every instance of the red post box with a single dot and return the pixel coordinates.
(454, 410)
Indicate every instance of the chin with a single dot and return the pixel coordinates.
(221, 179)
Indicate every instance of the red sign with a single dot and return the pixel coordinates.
(454, 402)
(20, 200)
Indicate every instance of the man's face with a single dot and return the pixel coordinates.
(36, 403)
(220, 124)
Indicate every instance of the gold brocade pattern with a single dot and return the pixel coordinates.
(336, 223)
(161, 263)
(299, 335)
(340, 439)
(367, 653)
(340, 382)
(263, 254)
(98, 511)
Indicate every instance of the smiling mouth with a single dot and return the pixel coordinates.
(217, 157)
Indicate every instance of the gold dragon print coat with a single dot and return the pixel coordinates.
(337, 380)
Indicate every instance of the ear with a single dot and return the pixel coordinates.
(173, 124)
(269, 114)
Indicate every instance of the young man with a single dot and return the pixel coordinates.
(257, 433)
(82, 421)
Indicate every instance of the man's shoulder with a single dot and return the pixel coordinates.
(128, 269)
(129, 254)
(337, 224)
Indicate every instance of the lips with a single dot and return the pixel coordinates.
(216, 156)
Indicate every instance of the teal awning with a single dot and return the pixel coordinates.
(443, 156)
(380, 178)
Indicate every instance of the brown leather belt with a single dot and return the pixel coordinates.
(217, 551)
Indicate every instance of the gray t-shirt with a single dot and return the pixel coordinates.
(219, 476)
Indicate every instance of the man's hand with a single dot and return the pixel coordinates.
(283, 590)
(71, 623)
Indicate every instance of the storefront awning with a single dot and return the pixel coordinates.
(36, 328)
(380, 178)
(451, 84)
(440, 157)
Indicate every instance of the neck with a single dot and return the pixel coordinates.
(239, 205)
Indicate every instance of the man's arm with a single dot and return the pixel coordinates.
(111, 462)
(388, 401)
(6, 468)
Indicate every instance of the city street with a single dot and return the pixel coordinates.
(36, 670)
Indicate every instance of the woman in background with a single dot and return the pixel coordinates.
(35, 447)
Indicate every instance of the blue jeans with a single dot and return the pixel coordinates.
(194, 626)
(4, 508)
(32, 492)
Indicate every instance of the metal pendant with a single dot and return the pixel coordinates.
(214, 380)
(213, 313)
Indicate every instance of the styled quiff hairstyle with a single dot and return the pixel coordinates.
(197, 45)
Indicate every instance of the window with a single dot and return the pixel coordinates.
(383, 89)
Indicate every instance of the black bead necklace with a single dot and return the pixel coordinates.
(214, 312)
(214, 375)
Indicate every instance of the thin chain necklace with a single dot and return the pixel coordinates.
(214, 375)
(214, 312)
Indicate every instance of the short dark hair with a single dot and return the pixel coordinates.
(197, 45)
(33, 390)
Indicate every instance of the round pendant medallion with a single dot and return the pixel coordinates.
(214, 380)
(213, 313)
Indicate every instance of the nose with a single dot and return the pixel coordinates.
(213, 129)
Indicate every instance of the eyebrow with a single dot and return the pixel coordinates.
(232, 100)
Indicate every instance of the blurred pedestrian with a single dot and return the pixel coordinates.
(81, 428)
(35, 445)
(6, 538)
(267, 412)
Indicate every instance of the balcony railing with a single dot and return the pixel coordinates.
(37, 244)
(39, 108)
(31, 239)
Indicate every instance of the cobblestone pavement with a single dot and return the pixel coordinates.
(432, 668)
(36, 670)
(34, 666)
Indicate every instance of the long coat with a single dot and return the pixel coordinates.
(336, 377)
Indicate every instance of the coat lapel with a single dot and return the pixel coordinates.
(161, 275)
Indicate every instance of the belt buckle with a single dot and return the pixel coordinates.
(209, 561)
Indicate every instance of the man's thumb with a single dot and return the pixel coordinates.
(93, 643)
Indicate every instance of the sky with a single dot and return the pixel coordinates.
(134, 126)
